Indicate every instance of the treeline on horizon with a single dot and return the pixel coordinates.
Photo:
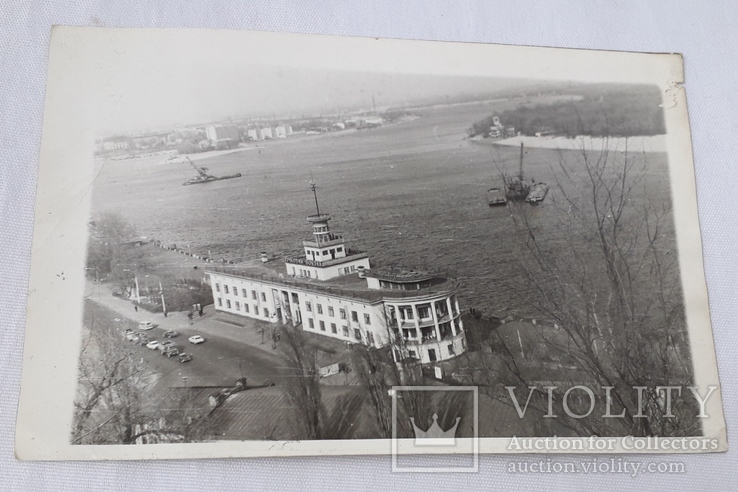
(602, 111)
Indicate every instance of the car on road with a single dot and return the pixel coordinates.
(142, 339)
(196, 339)
(170, 334)
(153, 345)
(170, 351)
(184, 357)
(146, 325)
(165, 345)
(127, 332)
(132, 336)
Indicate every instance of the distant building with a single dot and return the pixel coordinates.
(496, 130)
(369, 122)
(339, 126)
(288, 129)
(265, 133)
(280, 132)
(109, 145)
(222, 133)
(252, 134)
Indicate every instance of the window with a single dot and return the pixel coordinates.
(325, 253)
(266, 313)
(320, 308)
(235, 291)
(245, 308)
(451, 349)
(220, 302)
(253, 294)
(228, 303)
(423, 312)
(217, 287)
(354, 316)
(256, 309)
(311, 323)
(308, 307)
(367, 319)
(330, 311)
(263, 297)
(463, 343)
(333, 328)
(225, 289)
(244, 293)
(412, 354)
(339, 249)
(238, 306)
(357, 334)
(345, 331)
(342, 313)
(370, 337)
(322, 325)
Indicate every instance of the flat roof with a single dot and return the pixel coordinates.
(349, 286)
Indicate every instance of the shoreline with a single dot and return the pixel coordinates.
(654, 143)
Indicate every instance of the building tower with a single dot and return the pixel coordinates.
(326, 254)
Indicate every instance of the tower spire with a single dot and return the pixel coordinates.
(314, 189)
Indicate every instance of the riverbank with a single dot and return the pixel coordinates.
(653, 143)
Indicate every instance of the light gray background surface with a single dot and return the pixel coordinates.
(705, 32)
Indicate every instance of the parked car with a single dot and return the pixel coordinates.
(170, 334)
(165, 345)
(128, 330)
(153, 345)
(196, 339)
(142, 339)
(132, 336)
(170, 352)
(146, 325)
(184, 357)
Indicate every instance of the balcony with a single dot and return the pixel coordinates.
(447, 337)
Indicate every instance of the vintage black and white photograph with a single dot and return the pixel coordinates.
(284, 250)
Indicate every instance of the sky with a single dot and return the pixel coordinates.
(188, 94)
(149, 79)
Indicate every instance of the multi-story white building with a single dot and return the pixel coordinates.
(265, 133)
(333, 291)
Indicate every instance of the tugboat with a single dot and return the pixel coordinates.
(204, 177)
(517, 189)
(495, 197)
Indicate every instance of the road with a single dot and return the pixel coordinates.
(219, 361)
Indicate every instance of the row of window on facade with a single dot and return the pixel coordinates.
(342, 313)
(326, 252)
(344, 330)
(432, 355)
(244, 292)
(246, 307)
(308, 304)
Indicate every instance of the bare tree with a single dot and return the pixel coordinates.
(603, 270)
(111, 380)
(303, 381)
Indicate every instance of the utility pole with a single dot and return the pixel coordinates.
(138, 291)
(163, 304)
